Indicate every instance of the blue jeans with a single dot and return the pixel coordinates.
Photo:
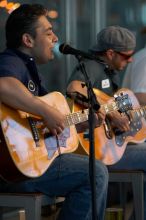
(134, 158)
(68, 176)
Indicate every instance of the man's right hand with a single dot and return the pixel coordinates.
(54, 120)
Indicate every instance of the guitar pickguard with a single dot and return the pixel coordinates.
(53, 143)
(135, 126)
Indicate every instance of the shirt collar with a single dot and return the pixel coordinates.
(26, 58)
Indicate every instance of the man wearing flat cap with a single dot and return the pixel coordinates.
(114, 48)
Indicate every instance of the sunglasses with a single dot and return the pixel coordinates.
(125, 56)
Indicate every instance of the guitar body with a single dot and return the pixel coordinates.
(110, 148)
(21, 156)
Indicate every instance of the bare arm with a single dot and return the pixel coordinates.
(16, 95)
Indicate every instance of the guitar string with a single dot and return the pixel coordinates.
(80, 116)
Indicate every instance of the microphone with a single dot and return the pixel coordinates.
(66, 49)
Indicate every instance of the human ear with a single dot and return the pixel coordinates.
(27, 40)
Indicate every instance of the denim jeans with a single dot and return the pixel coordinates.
(68, 176)
(134, 158)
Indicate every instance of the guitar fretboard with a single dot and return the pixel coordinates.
(77, 117)
(107, 108)
(81, 116)
(140, 112)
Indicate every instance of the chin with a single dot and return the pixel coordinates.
(51, 56)
(47, 59)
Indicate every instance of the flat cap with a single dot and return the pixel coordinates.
(116, 38)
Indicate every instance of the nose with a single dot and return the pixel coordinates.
(55, 38)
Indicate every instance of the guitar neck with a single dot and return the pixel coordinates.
(140, 112)
(82, 116)
(77, 117)
(110, 107)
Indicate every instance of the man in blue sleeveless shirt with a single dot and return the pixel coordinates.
(30, 41)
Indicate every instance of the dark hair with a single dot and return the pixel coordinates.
(23, 20)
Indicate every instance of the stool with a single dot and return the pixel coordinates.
(30, 202)
(136, 178)
(16, 214)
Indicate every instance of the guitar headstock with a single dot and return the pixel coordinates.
(123, 102)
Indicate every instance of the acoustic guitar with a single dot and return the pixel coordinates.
(110, 145)
(27, 148)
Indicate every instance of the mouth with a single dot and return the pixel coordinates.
(51, 50)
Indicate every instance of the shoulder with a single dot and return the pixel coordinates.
(95, 64)
(95, 68)
(8, 56)
(11, 64)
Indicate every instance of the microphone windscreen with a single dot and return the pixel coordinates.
(62, 47)
(65, 48)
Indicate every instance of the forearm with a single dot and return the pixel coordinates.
(14, 94)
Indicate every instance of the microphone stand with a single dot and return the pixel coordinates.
(93, 106)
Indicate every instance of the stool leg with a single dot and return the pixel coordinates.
(33, 209)
(123, 196)
(138, 195)
(22, 215)
(1, 213)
